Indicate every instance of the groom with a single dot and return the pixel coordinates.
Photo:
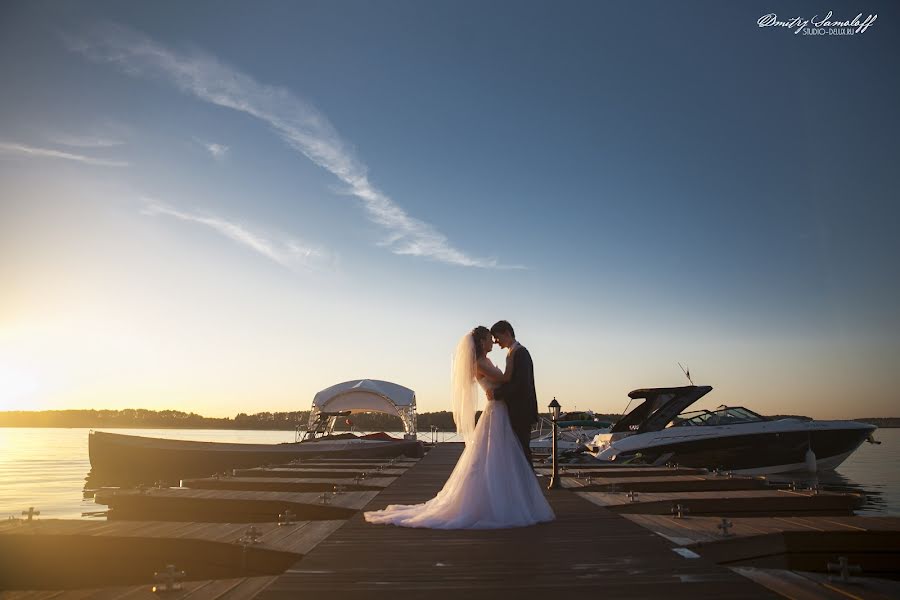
(518, 393)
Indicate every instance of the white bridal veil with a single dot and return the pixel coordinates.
(464, 390)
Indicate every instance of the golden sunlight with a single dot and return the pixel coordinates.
(17, 387)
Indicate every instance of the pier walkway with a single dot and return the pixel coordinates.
(588, 549)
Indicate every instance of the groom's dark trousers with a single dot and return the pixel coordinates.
(521, 398)
(523, 432)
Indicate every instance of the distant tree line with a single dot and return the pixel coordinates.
(176, 419)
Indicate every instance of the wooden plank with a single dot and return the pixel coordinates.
(587, 548)
(313, 534)
(789, 584)
(706, 528)
(297, 538)
(681, 483)
(211, 590)
(364, 465)
(247, 588)
(183, 504)
(313, 472)
(605, 472)
(287, 484)
(402, 460)
(805, 543)
(867, 588)
(730, 503)
(30, 595)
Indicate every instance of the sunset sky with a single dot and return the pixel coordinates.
(224, 207)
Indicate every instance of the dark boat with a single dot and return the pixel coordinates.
(728, 438)
(119, 458)
(146, 458)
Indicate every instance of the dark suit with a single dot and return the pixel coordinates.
(521, 398)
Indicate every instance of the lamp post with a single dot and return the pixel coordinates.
(554, 415)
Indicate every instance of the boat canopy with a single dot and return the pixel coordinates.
(659, 407)
(367, 395)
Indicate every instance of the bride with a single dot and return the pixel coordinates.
(493, 485)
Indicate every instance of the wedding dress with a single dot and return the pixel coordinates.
(492, 485)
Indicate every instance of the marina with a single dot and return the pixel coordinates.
(243, 536)
(279, 520)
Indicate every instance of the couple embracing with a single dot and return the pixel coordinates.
(493, 485)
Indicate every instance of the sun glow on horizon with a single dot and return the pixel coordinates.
(18, 387)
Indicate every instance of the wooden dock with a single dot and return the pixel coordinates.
(65, 554)
(337, 472)
(725, 503)
(588, 549)
(664, 483)
(286, 484)
(693, 530)
(347, 463)
(582, 470)
(238, 588)
(399, 461)
(241, 506)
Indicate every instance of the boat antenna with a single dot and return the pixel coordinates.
(687, 373)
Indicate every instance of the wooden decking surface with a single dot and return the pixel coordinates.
(356, 461)
(348, 499)
(729, 503)
(816, 586)
(320, 472)
(369, 465)
(296, 538)
(182, 504)
(285, 484)
(152, 545)
(241, 588)
(665, 483)
(602, 471)
(588, 549)
(691, 530)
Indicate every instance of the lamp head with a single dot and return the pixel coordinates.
(554, 409)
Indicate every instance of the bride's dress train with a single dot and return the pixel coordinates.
(491, 487)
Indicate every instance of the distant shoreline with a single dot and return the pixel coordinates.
(130, 418)
(264, 421)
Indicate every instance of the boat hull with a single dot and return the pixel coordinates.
(776, 450)
(144, 458)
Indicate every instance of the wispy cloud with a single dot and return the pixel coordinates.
(85, 141)
(16, 149)
(290, 253)
(301, 125)
(217, 151)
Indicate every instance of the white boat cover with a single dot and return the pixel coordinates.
(368, 395)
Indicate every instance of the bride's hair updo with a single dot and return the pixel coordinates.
(477, 335)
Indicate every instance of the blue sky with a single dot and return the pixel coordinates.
(225, 207)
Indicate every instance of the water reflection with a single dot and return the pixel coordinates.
(94, 481)
(874, 504)
(46, 468)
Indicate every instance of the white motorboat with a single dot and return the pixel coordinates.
(736, 439)
(576, 430)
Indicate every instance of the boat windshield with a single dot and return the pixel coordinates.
(727, 415)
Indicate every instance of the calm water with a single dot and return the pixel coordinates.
(46, 468)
